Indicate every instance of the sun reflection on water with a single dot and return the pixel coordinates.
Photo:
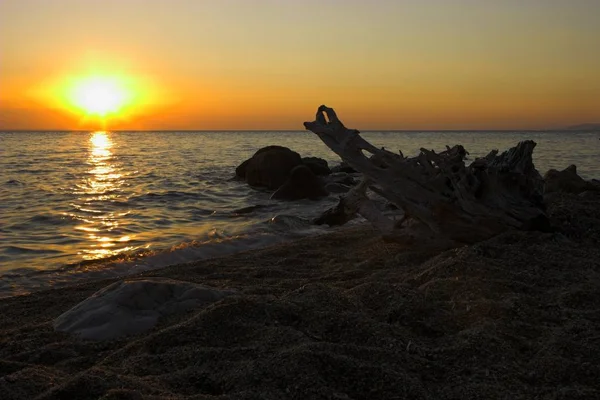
(101, 186)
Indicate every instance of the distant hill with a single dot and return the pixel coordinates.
(584, 127)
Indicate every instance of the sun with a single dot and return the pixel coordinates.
(99, 96)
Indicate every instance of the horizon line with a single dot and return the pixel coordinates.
(304, 130)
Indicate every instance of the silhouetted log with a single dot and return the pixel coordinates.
(355, 202)
(444, 201)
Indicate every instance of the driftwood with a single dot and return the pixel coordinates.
(445, 202)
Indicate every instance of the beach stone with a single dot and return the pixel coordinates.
(301, 184)
(342, 178)
(269, 167)
(567, 181)
(317, 165)
(133, 306)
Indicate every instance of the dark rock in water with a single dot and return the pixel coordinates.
(567, 181)
(343, 167)
(317, 165)
(335, 215)
(301, 184)
(269, 167)
(342, 177)
(334, 187)
(240, 171)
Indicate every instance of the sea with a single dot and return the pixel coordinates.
(76, 206)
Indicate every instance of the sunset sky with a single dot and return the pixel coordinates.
(268, 64)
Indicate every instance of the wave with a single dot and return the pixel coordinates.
(14, 182)
(250, 209)
(86, 210)
(215, 244)
(43, 219)
(167, 196)
(10, 250)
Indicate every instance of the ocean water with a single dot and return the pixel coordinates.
(82, 205)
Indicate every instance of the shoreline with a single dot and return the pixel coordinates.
(343, 316)
(22, 281)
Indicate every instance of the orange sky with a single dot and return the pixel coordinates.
(268, 64)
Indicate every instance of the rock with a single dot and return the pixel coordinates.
(335, 216)
(343, 167)
(342, 177)
(133, 306)
(567, 181)
(240, 171)
(317, 165)
(269, 167)
(301, 184)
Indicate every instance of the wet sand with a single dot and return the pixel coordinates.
(344, 316)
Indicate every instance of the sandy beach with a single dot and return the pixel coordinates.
(344, 316)
(299, 200)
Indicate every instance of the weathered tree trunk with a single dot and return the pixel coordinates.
(443, 200)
